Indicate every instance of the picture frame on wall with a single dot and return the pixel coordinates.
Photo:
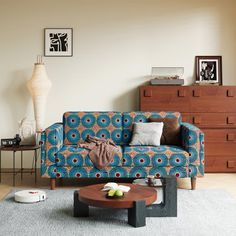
(58, 42)
(209, 70)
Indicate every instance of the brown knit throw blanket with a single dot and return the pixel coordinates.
(102, 150)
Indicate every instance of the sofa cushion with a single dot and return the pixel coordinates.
(147, 134)
(130, 117)
(71, 155)
(160, 156)
(78, 125)
(171, 131)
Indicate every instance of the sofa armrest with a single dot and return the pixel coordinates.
(51, 143)
(193, 143)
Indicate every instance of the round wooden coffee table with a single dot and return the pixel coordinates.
(135, 201)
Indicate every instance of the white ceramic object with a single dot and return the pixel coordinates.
(30, 196)
(39, 87)
(27, 131)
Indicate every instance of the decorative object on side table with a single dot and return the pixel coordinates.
(27, 130)
(39, 87)
(209, 70)
(167, 76)
(11, 142)
(58, 42)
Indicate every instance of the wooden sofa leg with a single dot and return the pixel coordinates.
(53, 184)
(193, 183)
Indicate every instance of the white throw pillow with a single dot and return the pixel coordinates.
(147, 133)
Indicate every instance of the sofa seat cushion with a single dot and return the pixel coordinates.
(159, 156)
(71, 155)
(53, 171)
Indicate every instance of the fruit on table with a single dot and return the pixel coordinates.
(111, 192)
(119, 193)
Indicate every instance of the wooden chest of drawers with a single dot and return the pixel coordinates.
(211, 108)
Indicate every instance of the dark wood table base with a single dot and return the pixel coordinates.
(138, 213)
(168, 208)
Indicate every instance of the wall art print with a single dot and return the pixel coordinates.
(58, 42)
(209, 70)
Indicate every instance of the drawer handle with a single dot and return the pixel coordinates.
(196, 93)
(230, 93)
(230, 137)
(181, 93)
(147, 93)
(196, 120)
(230, 120)
(231, 164)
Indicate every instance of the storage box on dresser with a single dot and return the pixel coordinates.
(211, 108)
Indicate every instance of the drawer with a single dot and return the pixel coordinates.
(220, 135)
(220, 148)
(213, 120)
(220, 164)
(164, 98)
(186, 118)
(213, 99)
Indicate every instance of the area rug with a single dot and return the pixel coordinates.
(200, 212)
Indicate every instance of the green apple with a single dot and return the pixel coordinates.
(111, 192)
(119, 193)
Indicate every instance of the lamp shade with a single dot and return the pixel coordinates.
(39, 86)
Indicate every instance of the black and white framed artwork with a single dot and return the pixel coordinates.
(58, 42)
(209, 70)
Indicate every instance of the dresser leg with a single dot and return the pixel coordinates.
(53, 184)
(193, 183)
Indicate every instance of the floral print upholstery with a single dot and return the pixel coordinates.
(160, 156)
(193, 143)
(71, 155)
(61, 158)
(78, 125)
(51, 143)
(54, 171)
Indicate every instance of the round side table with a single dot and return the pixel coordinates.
(21, 149)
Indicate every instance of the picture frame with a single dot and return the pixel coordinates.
(58, 42)
(209, 70)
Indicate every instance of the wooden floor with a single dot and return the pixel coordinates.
(214, 181)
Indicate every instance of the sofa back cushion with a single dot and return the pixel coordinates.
(130, 117)
(78, 125)
(171, 131)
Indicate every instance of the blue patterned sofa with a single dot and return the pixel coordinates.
(61, 158)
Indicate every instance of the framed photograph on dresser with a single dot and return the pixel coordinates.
(209, 70)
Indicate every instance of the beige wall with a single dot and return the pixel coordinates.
(116, 42)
